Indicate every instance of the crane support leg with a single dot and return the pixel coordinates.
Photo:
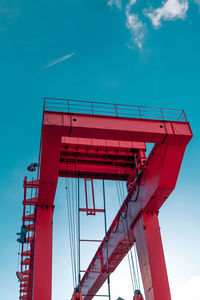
(151, 257)
(43, 253)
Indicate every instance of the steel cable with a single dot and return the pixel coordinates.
(136, 259)
(130, 256)
(72, 186)
(69, 228)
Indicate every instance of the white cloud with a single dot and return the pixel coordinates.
(198, 2)
(188, 290)
(117, 3)
(134, 24)
(171, 10)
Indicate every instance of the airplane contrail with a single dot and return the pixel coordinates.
(56, 61)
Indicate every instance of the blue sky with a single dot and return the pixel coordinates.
(133, 52)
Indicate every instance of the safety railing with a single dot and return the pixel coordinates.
(117, 110)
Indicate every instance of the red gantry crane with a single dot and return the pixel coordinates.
(90, 140)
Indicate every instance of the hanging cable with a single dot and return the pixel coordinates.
(69, 228)
(135, 254)
(134, 270)
(105, 222)
(121, 199)
(73, 214)
(137, 267)
(129, 199)
(136, 259)
(79, 248)
(130, 255)
(129, 262)
(72, 199)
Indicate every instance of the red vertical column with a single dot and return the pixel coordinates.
(151, 257)
(43, 253)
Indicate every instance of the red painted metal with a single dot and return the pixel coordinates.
(113, 159)
(32, 201)
(151, 257)
(138, 297)
(93, 144)
(77, 296)
(117, 110)
(89, 211)
(27, 253)
(84, 240)
(155, 186)
(43, 253)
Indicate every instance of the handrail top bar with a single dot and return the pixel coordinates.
(113, 109)
(108, 103)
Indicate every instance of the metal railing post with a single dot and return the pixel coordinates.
(116, 110)
(44, 105)
(162, 114)
(180, 116)
(140, 112)
(68, 105)
(185, 116)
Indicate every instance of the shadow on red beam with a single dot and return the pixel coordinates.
(96, 171)
(112, 145)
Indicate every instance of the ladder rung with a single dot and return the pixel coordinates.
(26, 272)
(29, 217)
(30, 239)
(31, 201)
(95, 295)
(91, 210)
(25, 262)
(32, 184)
(90, 240)
(26, 253)
(82, 271)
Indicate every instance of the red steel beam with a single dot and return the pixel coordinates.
(98, 158)
(91, 144)
(32, 201)
(158, 180)
(84, 169)
(43, 254)
(114, 128)
(151, 257)
(58, 125)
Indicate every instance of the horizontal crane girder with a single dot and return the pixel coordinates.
(59, 125)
